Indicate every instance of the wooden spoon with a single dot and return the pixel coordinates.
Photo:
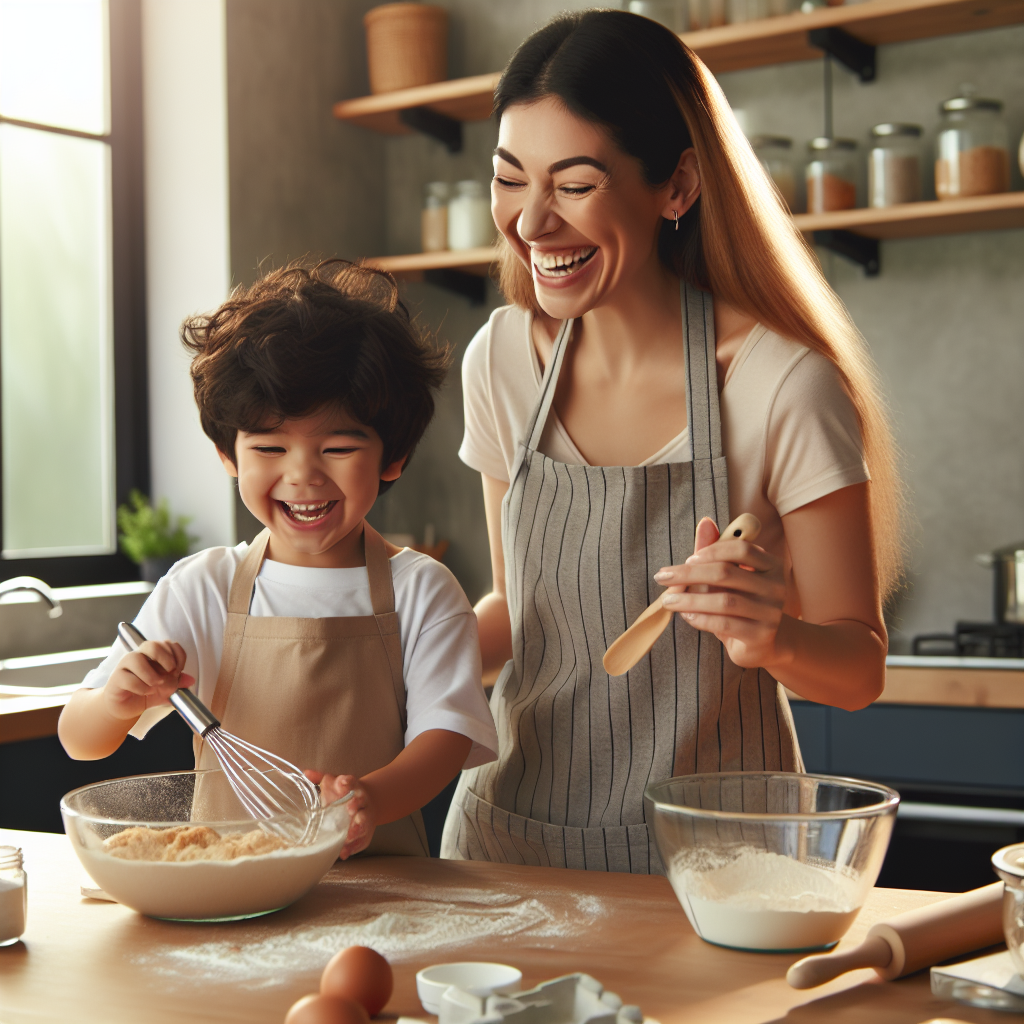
(636, 641)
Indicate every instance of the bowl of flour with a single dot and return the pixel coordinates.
(181, 846)
(771, 861)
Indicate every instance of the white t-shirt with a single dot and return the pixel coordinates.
(440, 649)
(789, 427)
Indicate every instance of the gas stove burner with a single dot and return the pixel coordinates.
(974, 640)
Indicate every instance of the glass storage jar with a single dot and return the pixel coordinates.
(13, 895)
(776, 156)
(831, 175)
(469, 216)
(894, 165)
(673, 14)
(972, 156)
(434, 217)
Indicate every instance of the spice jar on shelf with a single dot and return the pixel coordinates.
(469, 216)
(13, 895)
(894, 165)
(972, 156)
(776, 156)
(673, 14)
(831, 175)
(434, 217)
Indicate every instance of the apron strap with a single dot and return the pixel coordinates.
(702, 411)
(378, 569)
(244, 579)
(548, 386)
(382, 597)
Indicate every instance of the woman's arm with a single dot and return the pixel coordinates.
(492, 610)
(835, 652)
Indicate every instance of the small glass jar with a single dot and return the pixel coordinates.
(972, 155)
(776, 156)
(434, 217)
(894, 165)
(13, 895)
(469, 216)
(831, 175)
(1009, 866)
(705, 14)
(673, 14)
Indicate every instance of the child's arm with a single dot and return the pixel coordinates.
(94, 723)
(415, 777)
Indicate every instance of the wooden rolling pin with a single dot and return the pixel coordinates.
(914, 940)
(639, 638)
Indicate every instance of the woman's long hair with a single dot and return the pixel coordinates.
(655, 98)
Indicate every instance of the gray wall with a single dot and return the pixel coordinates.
(301, 183)
(943, 319)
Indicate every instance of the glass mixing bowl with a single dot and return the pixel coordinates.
(226, 865)
(771, 861)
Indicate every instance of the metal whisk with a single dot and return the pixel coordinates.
(273, 790)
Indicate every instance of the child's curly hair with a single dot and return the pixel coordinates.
(312, 336)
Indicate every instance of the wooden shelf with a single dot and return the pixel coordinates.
(919, 220)
(783, 40)
(471, 261)
(751, 44)
(464, 99)
(912, 220)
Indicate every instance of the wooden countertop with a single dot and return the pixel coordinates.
(946, 684)
(99, 963)
(26, 718)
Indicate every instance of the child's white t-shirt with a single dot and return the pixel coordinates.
(440, 649)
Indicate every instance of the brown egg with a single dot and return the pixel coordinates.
(326, 1010)
(359, 974)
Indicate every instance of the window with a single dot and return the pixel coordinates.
(73, 437)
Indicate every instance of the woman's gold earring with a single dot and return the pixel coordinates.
(675, 213)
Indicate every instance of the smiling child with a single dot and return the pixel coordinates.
(320, 641)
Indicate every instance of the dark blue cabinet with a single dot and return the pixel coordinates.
(953, 746)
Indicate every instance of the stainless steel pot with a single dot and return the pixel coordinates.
(1007, 566)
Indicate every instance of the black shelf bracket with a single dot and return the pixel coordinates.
(854, 247)
(438, 126)
(857, 55)
(469, 286)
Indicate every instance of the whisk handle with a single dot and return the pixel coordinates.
(198, 717)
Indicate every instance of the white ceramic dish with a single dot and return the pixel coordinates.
(478, 979)
(571, 999)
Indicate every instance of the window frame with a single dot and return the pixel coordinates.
(131, 406)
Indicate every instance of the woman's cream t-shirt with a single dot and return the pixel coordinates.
(789, 428)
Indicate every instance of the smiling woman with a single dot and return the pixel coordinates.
(673, 358)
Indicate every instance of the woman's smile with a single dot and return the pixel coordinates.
(562, 268)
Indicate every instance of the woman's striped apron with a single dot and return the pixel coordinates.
(577, 747)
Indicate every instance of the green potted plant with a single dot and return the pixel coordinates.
(148, 537)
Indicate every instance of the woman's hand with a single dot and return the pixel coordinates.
(145, 678)
(736, 591)
(363, 820)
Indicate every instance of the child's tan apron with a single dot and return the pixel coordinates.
(327, 694)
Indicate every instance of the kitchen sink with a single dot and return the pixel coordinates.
(57, 673)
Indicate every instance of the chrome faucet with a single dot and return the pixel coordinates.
(30, 583)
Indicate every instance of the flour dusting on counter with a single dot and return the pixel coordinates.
(399, 929)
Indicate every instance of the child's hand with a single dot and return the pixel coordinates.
(360, 808)
(145, 678)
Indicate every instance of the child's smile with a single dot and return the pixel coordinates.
(306, 512)
(311, 481)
